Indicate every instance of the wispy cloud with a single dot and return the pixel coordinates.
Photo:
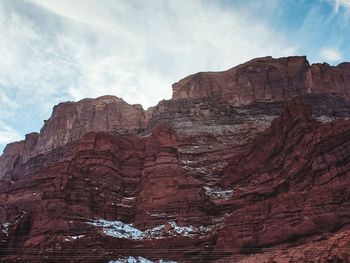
(330, 54)
(132, 49)
(341, 4)
(58, 50)
(8, 134)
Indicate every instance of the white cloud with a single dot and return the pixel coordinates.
(330, 54)
(341, 3)
(8, 134)
(133, 49)
(341, 7)
(58, 50)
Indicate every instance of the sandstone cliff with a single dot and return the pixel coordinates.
(202, 96)
(248, 164)
(70, 121)
(266, 79)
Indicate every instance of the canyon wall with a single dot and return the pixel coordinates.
(266, 79)
(247, 164)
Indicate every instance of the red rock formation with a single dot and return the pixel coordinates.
(334, 248)
(200, 177)
(70, 121)
(266, 79)
(207, 96)
(131, 179)
(328, 79)
(290, 185)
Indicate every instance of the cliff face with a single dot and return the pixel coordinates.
(293, 179)
(259, 79)
(266, 79)
(202, 96)
(230, 167)
(70, 121)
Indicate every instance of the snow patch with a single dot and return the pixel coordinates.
(70, 238)
(131, 260)
(324, 119)
(5, 227)
(119, 229)
(218, 193)
(139, 260)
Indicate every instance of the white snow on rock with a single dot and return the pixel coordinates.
(324, 119)
(131, 260)
(119, 229)
(139, 260)
(5, 227)
(182, 230)
(71, 238)
(218, 193)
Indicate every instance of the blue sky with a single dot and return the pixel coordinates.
(59, 50)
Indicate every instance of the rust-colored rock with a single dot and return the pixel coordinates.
(266, 79)
(203, 96)
(70, 121)
(327, 79)
(259, 79)
(216, 173)
(290, 185)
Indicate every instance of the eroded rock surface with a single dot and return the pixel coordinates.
(292, 186)
(70, 121)
(266, 79)
(213, 174)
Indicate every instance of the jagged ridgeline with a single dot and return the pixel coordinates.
(251, 163)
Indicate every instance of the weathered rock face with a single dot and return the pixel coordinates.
(70, 121)
(290, 185)
(68, 205)
(204, 96)
(199, 178)
(328, 79)
(336, 244)
(259, 79)
(266, 79)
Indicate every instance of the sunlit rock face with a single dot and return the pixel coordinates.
(209, 97)
(266, 79)
(70, 121)
(259, 79)
(221, 172)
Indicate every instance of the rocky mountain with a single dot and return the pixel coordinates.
(248, 164)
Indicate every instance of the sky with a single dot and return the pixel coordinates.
(63, 50)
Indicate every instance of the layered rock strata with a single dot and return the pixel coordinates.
(229, 169)
(266, 79)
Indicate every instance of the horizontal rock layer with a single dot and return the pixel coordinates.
(266, 79)
(202, 94)
(194, 179)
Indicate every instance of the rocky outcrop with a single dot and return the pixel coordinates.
(199, 178)
(115, 197)
(332, 248)
(122, 180)
(290, 185)
(266, 79)
(327, 79)
(70, 121)
(203, 98)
